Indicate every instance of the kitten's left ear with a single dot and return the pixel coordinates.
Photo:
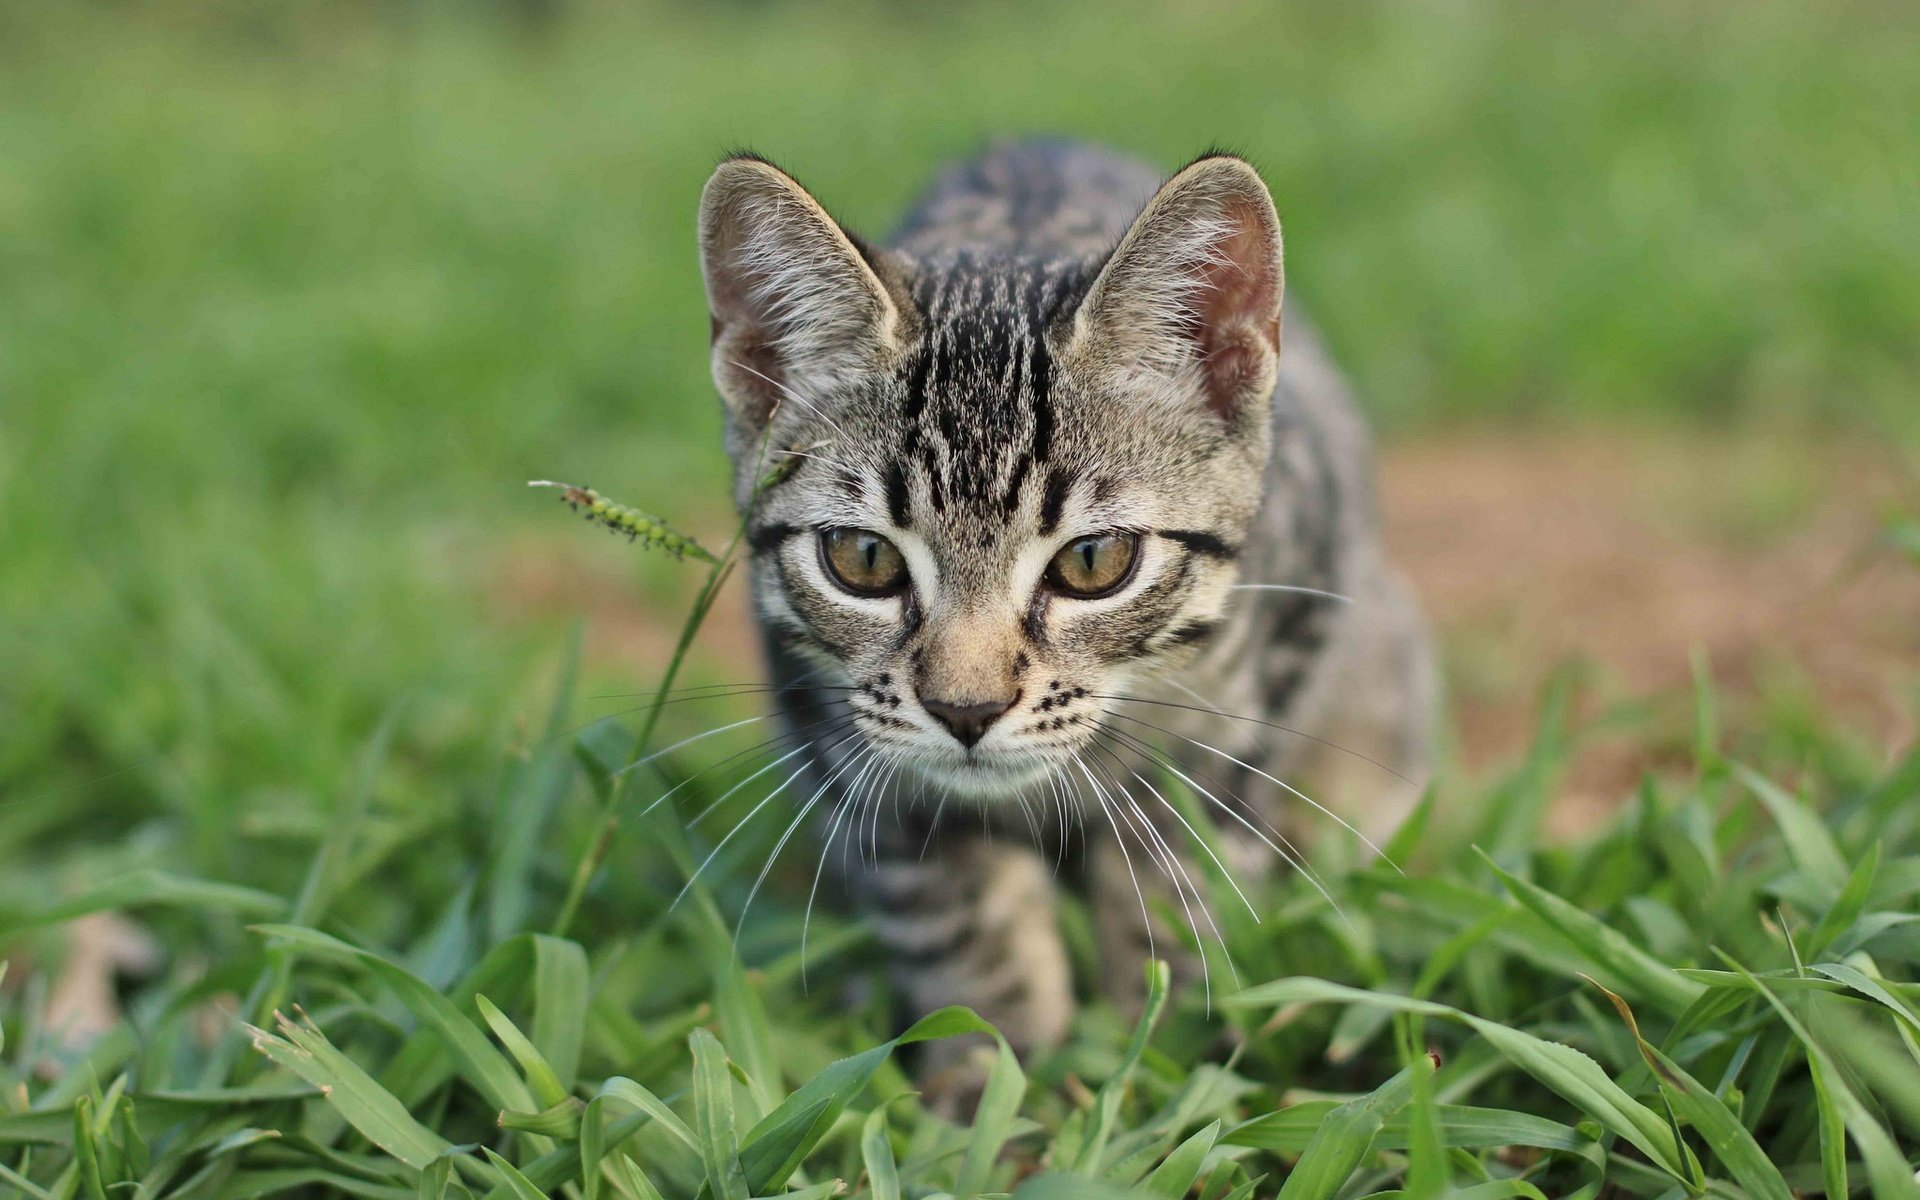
(1190, 300)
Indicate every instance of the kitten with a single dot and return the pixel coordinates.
(1005, 478)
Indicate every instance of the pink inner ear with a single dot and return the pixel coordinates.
(1237, 326)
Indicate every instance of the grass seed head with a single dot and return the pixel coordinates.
(638, 526)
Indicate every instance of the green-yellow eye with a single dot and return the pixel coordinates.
(862, 561)
(1094, 565)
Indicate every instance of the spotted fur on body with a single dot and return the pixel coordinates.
(1056, 345)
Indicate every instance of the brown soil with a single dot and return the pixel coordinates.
(1632, 556)
(1628, 554)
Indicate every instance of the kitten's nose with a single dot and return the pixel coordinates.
(967, 722)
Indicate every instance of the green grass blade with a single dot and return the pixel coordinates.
(1833, 1132)
(1603, 946)
(713, 1117)
(540, 1076)
(1426, 1149)
(1073, 1187)
(518, 1186)
(632, 1180)
(1175, 1177)
(1809, 843)
(561, 995)
(86, 1151)
(1497, 1189)
(1696, 1104)
(148, 888)
(1107, 1104)
(774, 1148)
(639, 1098)
(479, 1062)
(1345, 1138)
(1846, 909)
(992, 1124)
(367, 1106)
(1853, 977)
(529, 792)
(876, 1152)
(1889, 1175)
(1573, 1075)
(434, 1177)
(818, 1191)
(1288, 1130)
(743, 1018)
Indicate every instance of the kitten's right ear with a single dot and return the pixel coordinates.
(797, 310)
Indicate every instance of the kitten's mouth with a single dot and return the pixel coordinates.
(977, 776)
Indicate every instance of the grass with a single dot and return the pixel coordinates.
(298, 299)
(1714, 996)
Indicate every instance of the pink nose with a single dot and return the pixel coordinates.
(968, 723)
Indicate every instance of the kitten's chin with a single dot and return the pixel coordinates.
(983, 780)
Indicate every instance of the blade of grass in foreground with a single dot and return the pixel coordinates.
(367, 1106)
(1699, 1107)
(479, 1062)
(713, 1117)
(1604, 947)
(1889, 1174)
(876, 1153)
(1176, 1176)
(1345, 1136)
(1575, 1077)
(992, 1123)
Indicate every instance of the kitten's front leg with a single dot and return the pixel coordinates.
(975, 923)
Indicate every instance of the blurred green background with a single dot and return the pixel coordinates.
(294, 298)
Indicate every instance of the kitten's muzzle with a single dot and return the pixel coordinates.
(968, 722)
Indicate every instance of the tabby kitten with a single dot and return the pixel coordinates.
(1034, 500)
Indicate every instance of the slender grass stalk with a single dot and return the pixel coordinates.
(651, 531)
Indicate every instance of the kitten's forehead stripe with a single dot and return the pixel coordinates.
(979, 405)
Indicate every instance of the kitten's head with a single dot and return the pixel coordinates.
(988, 492)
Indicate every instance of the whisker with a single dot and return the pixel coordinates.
(1291, 856)
(720, 691)
(1288, 587)
(826, 847)
(683, 743)
(860, 786)
(787, 390)
(799, 818)
(880, 795)
(1126, 855)
(1169, 864)
(1226, 951)
(735, 757)
(1198, 840)
(810, 743)
(933, 826)
(742, 823)
(1232, 716)
(1323, 809)
(1026, 811)
(709, 810)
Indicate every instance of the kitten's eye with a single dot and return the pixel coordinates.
(1093, 566)
(862, 561)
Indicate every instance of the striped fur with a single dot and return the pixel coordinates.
(1054, 345)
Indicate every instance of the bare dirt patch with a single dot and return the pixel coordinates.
(1632, 553)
